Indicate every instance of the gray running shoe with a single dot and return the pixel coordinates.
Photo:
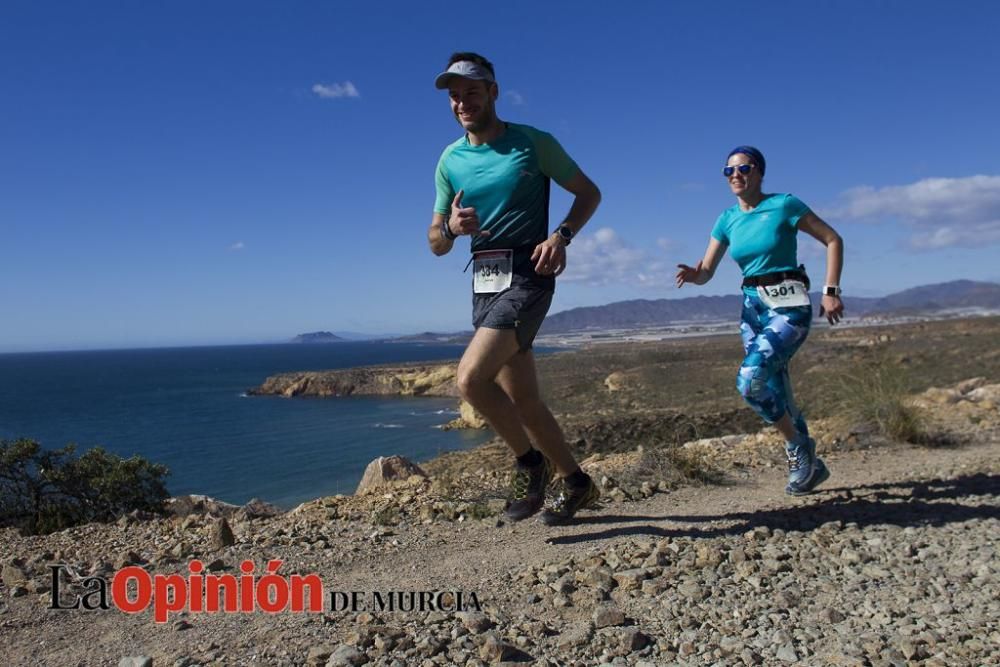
(568, 501)
(527, 489)
(806, 471)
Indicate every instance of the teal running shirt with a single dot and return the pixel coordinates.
(507, 182)
(762, 240)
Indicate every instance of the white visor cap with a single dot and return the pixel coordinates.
(465, 69)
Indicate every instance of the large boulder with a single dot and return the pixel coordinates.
(616, 381)
(13, 572)
(989, 392)
(471, 417)
(222, 535)
(468, 417)
(193, 503)
(387, 469)
(256, 508)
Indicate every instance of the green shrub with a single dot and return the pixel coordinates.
(42, 491)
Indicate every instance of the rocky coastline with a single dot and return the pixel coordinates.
(409, 380)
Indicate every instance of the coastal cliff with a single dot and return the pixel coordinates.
(420, 380)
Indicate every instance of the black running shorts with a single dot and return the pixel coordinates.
(519, 307)
(522, 306)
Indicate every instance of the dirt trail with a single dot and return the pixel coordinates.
(868, 486)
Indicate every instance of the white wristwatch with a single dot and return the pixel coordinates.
(831, 290)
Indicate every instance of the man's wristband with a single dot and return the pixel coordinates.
(446, 230)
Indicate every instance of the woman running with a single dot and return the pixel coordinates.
(760, 233)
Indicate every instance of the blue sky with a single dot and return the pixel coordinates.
(200, 173)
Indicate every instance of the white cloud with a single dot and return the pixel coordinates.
(239, 245)
(514, 97)
(603, 258)
(666, 244)
(986, 233)
(941, 212)
(335, 90)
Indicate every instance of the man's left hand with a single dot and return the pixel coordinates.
(550, 256)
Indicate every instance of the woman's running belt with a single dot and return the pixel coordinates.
(768, 279)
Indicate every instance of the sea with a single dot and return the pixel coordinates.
(188, 408)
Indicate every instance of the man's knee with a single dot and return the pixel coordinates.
(465, 379)
(470, 381)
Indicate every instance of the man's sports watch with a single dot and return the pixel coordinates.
(831, 290)
(565, 232)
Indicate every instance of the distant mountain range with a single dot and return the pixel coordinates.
(636, 313)
(940, 296)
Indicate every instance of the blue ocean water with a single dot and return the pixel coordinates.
(187, 408)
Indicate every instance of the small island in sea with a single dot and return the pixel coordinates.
(318, 337)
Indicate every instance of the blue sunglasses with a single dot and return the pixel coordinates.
(742, 168)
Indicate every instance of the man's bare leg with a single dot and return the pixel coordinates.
(519, 380)
(488, 352)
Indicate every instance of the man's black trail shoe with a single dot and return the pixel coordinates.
(527, 489)
(569, 500)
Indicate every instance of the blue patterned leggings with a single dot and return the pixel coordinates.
(770, 338)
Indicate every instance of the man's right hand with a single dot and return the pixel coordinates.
(464, 220)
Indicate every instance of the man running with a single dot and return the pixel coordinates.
(493, 185)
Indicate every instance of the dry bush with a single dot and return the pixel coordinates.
(385, 516)
(674, 465)
(873, 392)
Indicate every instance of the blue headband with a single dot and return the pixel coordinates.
(753, 154)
